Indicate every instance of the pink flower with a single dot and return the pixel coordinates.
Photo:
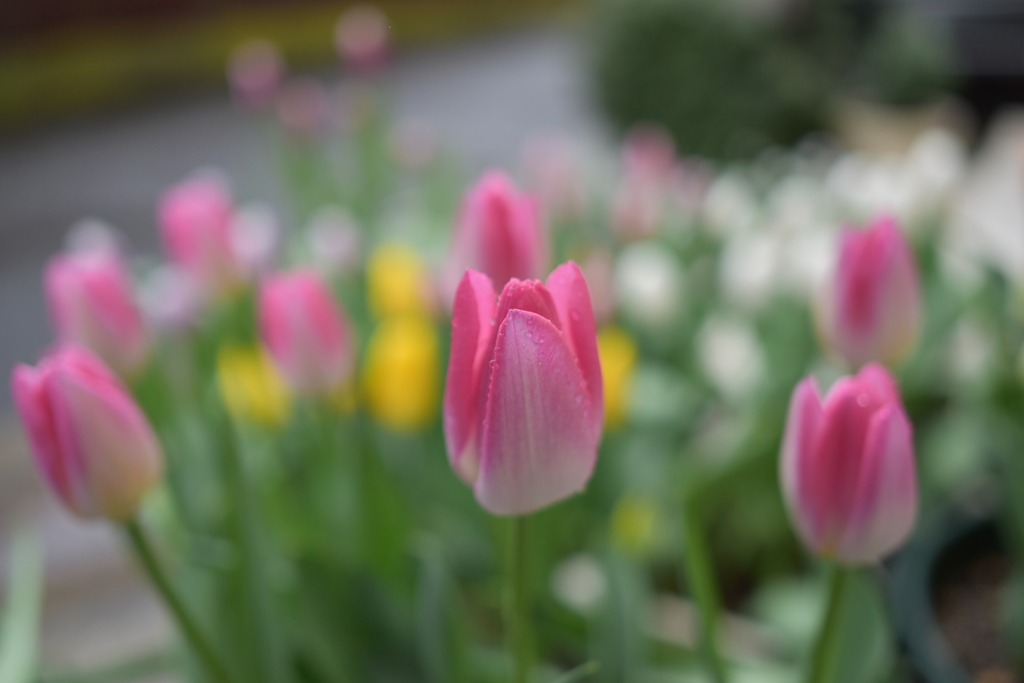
(304, 109)
(90, 440)
(195, 222)
(499, 232)
(847, 467)
(305, 331)
(361, 38)
(523, 404)
(92, 303)
(872, 311)
(255, 69)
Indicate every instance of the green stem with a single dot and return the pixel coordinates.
(211, 662)
(517, 606)
(701, 579)
(823, 658)
(266, 646)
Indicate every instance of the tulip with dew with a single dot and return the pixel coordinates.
(523, 405)
(849, 480)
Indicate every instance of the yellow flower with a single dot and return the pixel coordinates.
(250, 385)
(401, 377)
(397, 281)
(618, 354)
(633, 524)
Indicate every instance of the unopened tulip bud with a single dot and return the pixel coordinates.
(90, 439)
(847, 467)
(524, 403)
(499, 232)
(305, 331)
(195, 223)
(872, 308)
(92, 304)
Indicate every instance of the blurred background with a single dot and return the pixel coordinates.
(105, 103)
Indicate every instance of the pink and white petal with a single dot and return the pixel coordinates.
(28, 386)
(569, 289)
(877, 381)
(835, 461)
(798, 442)
(472, 316)
(885, 505)
(116, 450)
(538, 445)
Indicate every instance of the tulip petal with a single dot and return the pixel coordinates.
(538, 445)
(569, 289)
(28, 386)
(836, 458)
(802, 426)
(472, 323)
(118, 451)
(885, 504)
(528, 295)
(880, 384)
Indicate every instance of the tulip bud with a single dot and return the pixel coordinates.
(91, 303)
(305, 331)
(523, 404)
(499, 232)
(361, 38)
(872, 311)
(195, 222)
(90, 439)
(847, 467)
(255, 69)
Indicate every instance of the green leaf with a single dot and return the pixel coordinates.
(19, 633)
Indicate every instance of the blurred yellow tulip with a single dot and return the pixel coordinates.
(397, 281)
(618, 354)
(633, 523)
(250, 385)
(401, 377)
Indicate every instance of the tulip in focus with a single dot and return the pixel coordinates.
(195, 218)
(90, 439)
(92, 304)
(872, 310)
(499, 232)
(255, 69)
(401, 379)
(847, 467)
(305, 331)
(524, 403)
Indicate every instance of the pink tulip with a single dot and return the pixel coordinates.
(872, 312)
(92, 303)
(255, 69)
(305, 331)
(361, 38)
(90, 440)
(195, 222)
(499, 232)
(524, 403)
(847, 467)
